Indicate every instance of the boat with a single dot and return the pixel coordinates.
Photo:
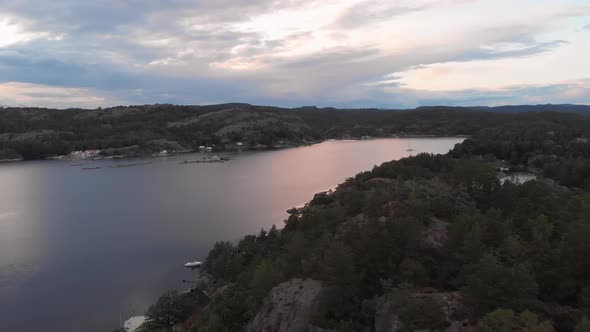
(130, 165)
(213, 159)
(409, 148)
(193, 264)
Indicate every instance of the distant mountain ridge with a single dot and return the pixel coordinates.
(568, 108)
(564, 108)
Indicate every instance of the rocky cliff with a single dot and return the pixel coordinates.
(289, 307)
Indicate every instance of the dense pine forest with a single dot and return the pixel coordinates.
(429, 243)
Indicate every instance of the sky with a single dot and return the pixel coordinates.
(345, 53)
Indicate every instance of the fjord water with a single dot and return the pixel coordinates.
(81, 248)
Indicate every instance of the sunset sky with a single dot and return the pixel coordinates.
(355, 53)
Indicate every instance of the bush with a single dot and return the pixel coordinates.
(493, 284)
(419, 314)
(171, 309)
(583, 326)
(504, 320)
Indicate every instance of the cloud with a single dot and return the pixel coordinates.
(509, 50)
(373, 11)
(10, 33)
(28, 65)
(392, 96)
(289, 52)
(26, 94)
(575, 92)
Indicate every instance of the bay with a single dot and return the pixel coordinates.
(80, 248)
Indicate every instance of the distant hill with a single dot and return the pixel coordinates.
(568, 108)
(140, 130)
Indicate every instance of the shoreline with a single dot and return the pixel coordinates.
(250, 149)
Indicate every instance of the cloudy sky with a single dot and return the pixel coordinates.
(345, 53)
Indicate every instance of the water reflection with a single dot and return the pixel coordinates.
(23, 239)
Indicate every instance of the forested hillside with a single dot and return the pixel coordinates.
(429, 243)
(36, 133)
(554, 145)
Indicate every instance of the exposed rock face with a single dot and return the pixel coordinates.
(435, 234)
(289, 308)
(449, 302)
(246, 123)
(319, 329)
(359, 219)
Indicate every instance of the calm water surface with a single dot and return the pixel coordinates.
(80, 247)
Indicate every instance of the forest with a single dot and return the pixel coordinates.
(430, 243)
(38, 133)
(554, 146)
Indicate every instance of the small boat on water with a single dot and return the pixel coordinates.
(214, 159)
(193, 264)
(130, 165)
